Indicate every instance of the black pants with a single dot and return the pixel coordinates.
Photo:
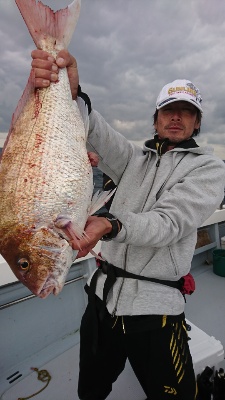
(160, 359)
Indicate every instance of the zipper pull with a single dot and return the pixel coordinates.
(114, 312)
(123, 325)
(159, 152)
(116, 319)
(161, 147)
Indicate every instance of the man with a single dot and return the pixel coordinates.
(164, 193)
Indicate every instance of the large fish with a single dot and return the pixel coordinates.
(46, 180)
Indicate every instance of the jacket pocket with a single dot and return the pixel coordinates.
(173, 261)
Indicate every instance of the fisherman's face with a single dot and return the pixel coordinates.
(177, 121)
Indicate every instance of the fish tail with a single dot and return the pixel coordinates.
(50, 30)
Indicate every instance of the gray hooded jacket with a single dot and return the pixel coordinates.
(160, 206)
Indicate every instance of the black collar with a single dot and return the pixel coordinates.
(160, 145)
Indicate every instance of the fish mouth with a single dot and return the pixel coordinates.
(48, 287)
(47, 290)
(51, 279)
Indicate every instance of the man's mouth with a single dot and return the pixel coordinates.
(174, 128)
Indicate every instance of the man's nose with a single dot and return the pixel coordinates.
(176, 115)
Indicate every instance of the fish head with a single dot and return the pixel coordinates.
(40, 258)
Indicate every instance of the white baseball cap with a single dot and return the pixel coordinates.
(180, 89)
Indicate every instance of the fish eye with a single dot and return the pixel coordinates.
(23, 264)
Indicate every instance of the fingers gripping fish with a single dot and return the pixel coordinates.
(45, 173)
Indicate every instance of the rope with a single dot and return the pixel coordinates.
(43, 376)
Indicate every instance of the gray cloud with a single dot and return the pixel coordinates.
(126, 51)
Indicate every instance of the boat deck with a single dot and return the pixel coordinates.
(204, 308)
(65, 369)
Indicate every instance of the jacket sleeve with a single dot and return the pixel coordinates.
(179, 211)
(113, 149)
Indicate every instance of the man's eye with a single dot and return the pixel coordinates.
(189, 110)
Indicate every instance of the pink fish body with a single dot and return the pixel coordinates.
(45, 174)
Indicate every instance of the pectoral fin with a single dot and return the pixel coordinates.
(72, 230)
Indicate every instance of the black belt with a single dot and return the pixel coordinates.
(112, 273)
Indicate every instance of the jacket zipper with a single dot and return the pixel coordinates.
(159, 154)
(168, 177)
(118, 295)
(120, 289)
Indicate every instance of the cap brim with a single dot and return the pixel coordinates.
(174, 99)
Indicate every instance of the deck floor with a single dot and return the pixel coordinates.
(206, 306)
(64, 369)
(205, 309)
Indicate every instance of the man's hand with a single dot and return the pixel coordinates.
(93, 158)
(46, 69)
(95, 228)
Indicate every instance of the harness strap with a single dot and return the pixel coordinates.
(91, 302)
(121, 273)
(112, 273)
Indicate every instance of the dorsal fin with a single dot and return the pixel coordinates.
(28, 91)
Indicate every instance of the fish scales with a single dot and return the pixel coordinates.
(55, 175)
(61, 180)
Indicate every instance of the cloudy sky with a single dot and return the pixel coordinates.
(126, 51)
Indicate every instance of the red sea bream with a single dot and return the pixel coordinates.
(45, 174)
